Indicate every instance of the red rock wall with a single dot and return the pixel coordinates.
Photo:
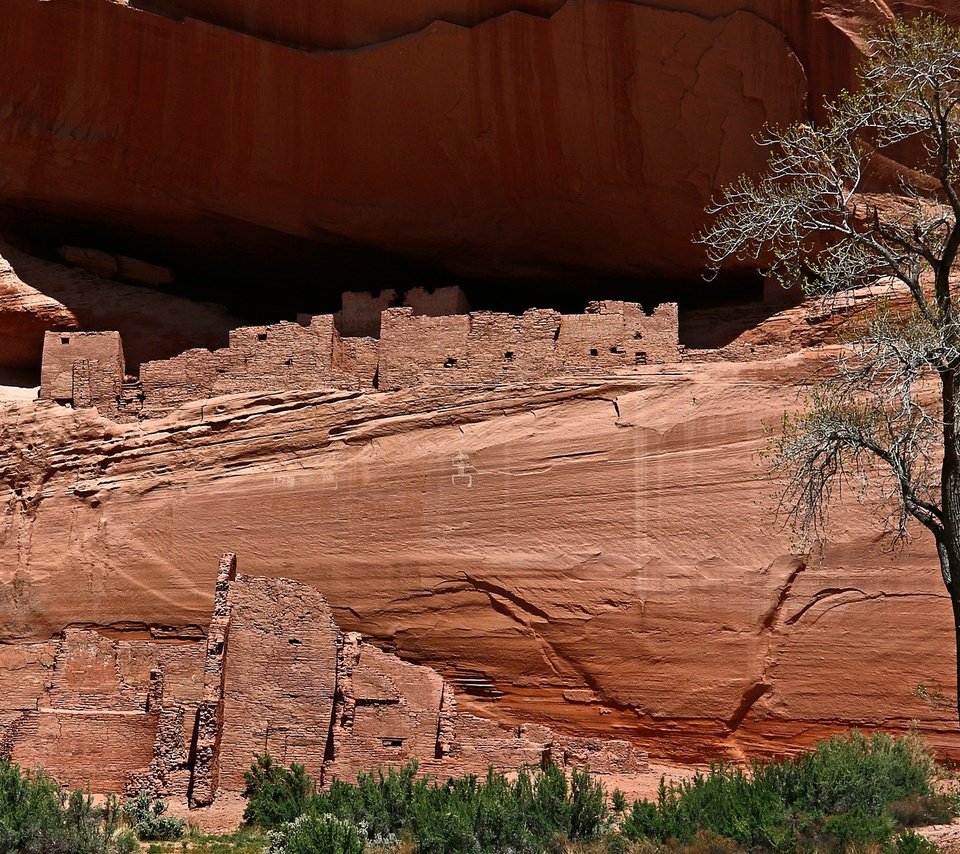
(600, 554)
(587, 136)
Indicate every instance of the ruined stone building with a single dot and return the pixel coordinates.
(476, 349)
(183, 715)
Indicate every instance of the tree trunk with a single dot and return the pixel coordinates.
(956, 631)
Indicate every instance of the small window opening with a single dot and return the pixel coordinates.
(289, 362)
(65, 339)
(262, 336)
(393, 742)
(594, 351)
(294, 641)
(637, 336)
(508, 355)
(450, 363)
(641, 358)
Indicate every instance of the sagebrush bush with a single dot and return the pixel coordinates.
(38, 817)
(850, 791)
(317, 834)
(275, 795)
(149, 821)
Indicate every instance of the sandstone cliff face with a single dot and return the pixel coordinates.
(25, 314)
(607, 566)
(491, 136)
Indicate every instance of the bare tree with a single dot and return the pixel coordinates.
(886, 416)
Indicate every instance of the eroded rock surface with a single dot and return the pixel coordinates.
(594, 555)
(25, 314)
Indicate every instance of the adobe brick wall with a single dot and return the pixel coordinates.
(488, 347)
(474, 349)
(259, 358)
(84, 365)
(279, 677)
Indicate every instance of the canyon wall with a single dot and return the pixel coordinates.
(596, 555)
(489, 137)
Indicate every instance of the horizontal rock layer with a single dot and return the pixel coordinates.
(608, 565)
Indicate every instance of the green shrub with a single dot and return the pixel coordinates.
(858, 828)
(909, 842)
(38, 817)
(125, 842)
(147, 817)
(317, 834)
(275, 795)
(849, 791)
(618, 802)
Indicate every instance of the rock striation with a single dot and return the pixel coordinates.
(489, 137)
(593, 554)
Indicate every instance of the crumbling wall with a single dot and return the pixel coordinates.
(387, 711)
(488, 347)
(359, 315)
(437, 302)
(279, 677)
(206, 770)
(184, 718)
(360, 311)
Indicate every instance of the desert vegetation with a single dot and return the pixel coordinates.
(851, 793)
(38, 816)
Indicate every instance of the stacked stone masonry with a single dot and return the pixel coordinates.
(183, 717)
(414, 349)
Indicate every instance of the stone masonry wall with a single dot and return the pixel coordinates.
(82, 368)
(279, 677)
(489, 347)
(414, 349)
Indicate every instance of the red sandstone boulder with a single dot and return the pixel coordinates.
(25, 314)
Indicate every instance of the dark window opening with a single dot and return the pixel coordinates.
(508, 355)
(262, 336)
(594, 351)
(637, 336)
(450, 363)
(289, 362)
(393, 742)
(65, 340)
(294, 641)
